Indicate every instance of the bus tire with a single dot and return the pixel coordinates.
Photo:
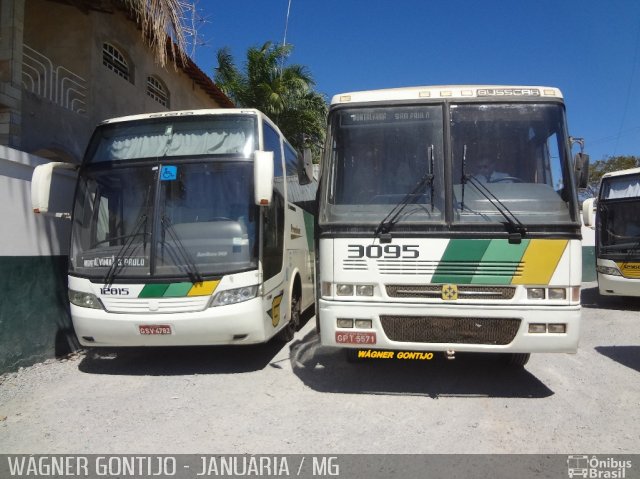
(517, 360)
(286, 334)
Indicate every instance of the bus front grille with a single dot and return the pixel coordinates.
(464, 292)
(436, 329)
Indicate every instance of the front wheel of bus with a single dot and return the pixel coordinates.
(517, 360)
(290, 329)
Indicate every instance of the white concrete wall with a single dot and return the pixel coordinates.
(22, 232)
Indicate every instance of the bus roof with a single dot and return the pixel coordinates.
(490, 92)
(630, 171)
(206, 111)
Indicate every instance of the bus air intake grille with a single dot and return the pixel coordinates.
(453, 269)
(155, 305)
(434, 291)
(435, 329)
(354, 265)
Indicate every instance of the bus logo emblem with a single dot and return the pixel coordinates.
(449, 292)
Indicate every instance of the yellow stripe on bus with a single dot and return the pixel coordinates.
(205, 288)
(629, 270)
(540, 261)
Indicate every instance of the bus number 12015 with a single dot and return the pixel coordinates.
(389, 251)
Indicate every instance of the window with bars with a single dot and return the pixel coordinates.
(115, 61)
(157, 91)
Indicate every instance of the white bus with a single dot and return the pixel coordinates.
(617, 235)
(448, 221)
(188, 228)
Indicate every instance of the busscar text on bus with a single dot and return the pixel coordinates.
(617, 237)
(188, 228)
(448, 221)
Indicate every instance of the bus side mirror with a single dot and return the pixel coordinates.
(263, 177)
(305, 167)
(581, 169)
(588, 213)
(41, 187)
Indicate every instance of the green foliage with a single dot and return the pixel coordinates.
(284, 93)
(609, 164)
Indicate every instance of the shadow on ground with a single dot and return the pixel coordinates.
(469, 375)
(628, 356)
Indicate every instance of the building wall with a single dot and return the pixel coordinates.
(34, 318)
(63, 48)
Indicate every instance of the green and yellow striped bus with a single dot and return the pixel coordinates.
(448, 221)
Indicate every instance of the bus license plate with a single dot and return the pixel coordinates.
(356, 338)
(155, 329)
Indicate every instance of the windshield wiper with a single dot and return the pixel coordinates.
(516, 229)
(383, 230)
(191, 268)
(116, 264)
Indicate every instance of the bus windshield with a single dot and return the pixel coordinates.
(619, 216)
(378, 156)
(516, 153)
(186, 219)
(504, 160)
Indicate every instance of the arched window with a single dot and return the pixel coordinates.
(158, 91)
(115, 61)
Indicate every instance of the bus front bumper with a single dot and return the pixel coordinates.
(240, 323)
(610, 285)
(414, 326)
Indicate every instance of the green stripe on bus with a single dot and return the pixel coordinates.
(499, 262)
(459, 261)
(153, 291)
(177, 290)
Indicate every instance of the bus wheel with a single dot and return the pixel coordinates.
(517, 360)
(287, 333)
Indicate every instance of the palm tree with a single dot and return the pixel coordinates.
(284, 93)
(159, 19)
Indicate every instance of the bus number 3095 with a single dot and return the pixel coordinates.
(389, 251)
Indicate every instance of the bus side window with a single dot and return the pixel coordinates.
(273, 237)
(272, 143)
(274, 215)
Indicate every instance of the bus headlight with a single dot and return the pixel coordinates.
(84, 300)
(557, 293)
(237, 295)
(344, 289)
(608, 270)
(535, 293)
(364, 290)
(349, 289)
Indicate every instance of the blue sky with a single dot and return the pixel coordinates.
(590, 49)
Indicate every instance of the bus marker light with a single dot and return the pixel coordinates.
(535, 293)
(558, 328)
(345, 323)
(575, 293)
(326, 288)
(537, 328)
(364, 323)
(557, 293)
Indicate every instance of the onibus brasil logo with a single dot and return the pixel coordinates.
(596, 467)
